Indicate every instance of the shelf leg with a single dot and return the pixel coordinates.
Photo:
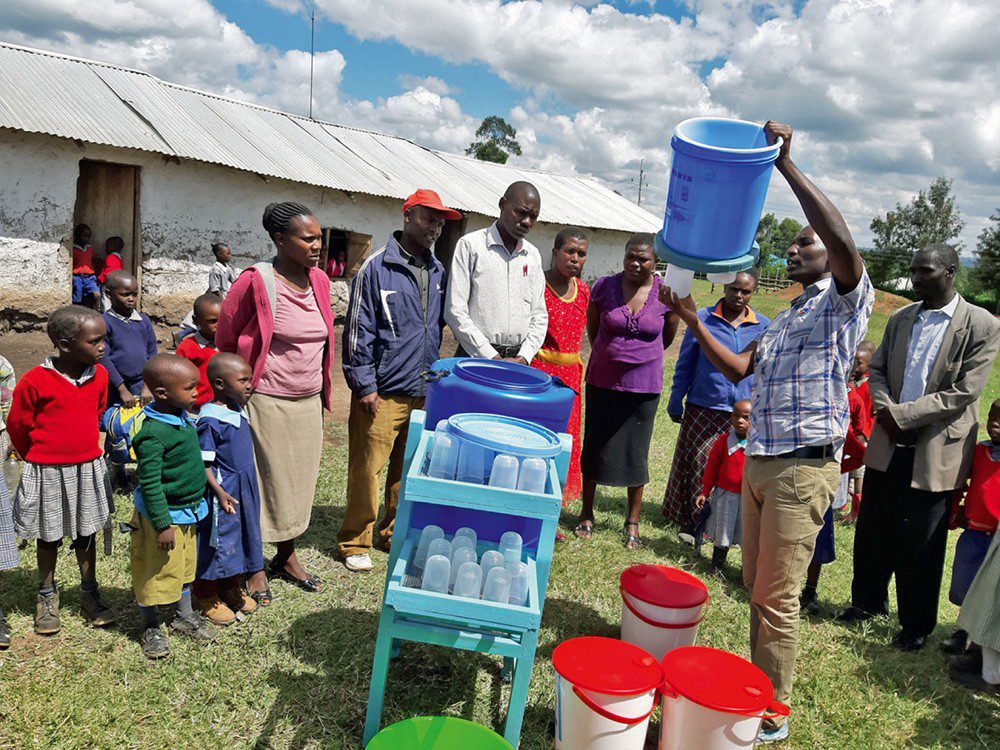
(380, 669)
(519, 688)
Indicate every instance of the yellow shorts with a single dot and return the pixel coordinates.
(158, 575)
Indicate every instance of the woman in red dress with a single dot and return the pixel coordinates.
(566, 299)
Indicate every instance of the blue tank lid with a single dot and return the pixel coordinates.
(503, 434)
(511, 376)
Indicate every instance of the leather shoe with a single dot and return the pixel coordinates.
(955, 643)
(854, 614)
(908, 641)
(971, 661)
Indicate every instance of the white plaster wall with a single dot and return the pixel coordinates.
(184, 208)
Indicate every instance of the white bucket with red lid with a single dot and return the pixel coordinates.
(606, 690)
(661, 607)
(713, 700)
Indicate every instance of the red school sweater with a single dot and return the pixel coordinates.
(53, 421)
(983, 495)
(191, 349)
(723, 469)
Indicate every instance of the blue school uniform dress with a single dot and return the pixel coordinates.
(229, 544)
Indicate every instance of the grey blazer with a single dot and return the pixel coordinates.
(945, 418)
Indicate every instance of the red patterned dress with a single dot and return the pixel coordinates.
(560, 356)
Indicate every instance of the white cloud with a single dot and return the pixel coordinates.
(430, 83)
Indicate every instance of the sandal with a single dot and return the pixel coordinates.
(309, 583)
(584, 530)
(632, 541)
(262, 597)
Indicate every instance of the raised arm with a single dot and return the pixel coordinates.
(734, 367)
(846, 264)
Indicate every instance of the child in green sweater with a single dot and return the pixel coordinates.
(169, 503)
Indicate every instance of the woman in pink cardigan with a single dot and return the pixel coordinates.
(277, 317)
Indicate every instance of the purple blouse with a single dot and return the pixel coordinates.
(628, 352)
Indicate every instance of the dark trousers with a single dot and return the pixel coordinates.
(901, 531)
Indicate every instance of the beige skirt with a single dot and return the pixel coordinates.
(287, 445)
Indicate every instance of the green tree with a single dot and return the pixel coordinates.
(930, 216)
(986, 273)
(774, 237)
(496, 140)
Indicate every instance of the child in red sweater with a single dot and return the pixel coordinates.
(85, 289)
(199, 347)
(859, 404)
(722, 484)
(113, 247)
(975, 518)
(64, 489)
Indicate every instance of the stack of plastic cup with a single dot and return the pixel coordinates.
(427, 535)
(468, 580)
(444, 458)
(491, 559)
(459, 557)
(471, 463)
(518, 583)
(462, 541)
(504, 472)
(467, 533)
(497, 586)
(437, 574)
(510, 547)
(439, 546)
(533, 475)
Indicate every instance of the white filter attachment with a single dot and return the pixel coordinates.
(721, 278)
(678, 279)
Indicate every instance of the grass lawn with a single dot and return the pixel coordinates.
(296, 675)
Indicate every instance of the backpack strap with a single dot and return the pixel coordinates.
(266, 270)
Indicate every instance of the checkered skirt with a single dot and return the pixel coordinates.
(699, 430)
(8, 542)
(71, 500)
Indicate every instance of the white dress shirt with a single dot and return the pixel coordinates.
(925, 343)
(496, 298)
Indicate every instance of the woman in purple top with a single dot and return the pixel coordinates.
(628, 328)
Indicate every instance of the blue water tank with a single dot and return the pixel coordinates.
(489, 386)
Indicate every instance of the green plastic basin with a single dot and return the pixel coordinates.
(437, 733)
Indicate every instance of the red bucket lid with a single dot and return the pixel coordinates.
(607, 665)
(717, 680)
(664, 586)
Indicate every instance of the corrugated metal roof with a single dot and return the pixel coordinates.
(44, 92)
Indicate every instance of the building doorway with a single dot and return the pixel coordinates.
(107, 200)
(444, 248)
(348, 247)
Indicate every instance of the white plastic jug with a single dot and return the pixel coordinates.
(661, 607)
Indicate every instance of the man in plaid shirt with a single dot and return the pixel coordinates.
(798, 421)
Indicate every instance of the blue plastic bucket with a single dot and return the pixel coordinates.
(718, 181)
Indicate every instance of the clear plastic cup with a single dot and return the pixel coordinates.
(497, 586)
(437, 574)
(468, 580)
(504, 471)
(510, 547)
(441, 547)
(533, 475)
(471, 463)
(444, 458)
(518, 583)
(491, 559)
(427, 535)
(459, 557)
(462, 541)
(468, 533)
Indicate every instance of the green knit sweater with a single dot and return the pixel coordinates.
(171, 470)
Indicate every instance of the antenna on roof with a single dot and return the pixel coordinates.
(638, 201)
(312, 56)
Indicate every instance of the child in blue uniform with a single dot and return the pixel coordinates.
(229, 538)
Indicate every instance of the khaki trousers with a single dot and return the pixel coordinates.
(373, 442)
(784, 500)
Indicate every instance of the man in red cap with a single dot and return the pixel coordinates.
(392, 334)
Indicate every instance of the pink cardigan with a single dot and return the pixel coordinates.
(246, 323)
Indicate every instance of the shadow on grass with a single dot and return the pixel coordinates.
(330, 667)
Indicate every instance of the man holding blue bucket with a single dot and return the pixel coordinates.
(798, 421)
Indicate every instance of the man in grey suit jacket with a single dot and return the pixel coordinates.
(925, 381)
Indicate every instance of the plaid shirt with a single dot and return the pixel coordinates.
(801, 368)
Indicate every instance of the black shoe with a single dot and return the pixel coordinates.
(908, 641)
(973, 680)
(854, 614)
(971, 661)
(955, 643)
(808, 602)
(4, 633)
(154, 643)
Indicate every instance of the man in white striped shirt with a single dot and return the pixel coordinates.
(496, 287)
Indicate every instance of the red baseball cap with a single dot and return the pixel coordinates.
(429, 198)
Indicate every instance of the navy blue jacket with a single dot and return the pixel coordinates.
(388, 339)
(697, 380)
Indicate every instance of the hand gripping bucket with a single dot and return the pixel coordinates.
(606, 690)
(713, 700)
(437, 733)
(661, 607)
